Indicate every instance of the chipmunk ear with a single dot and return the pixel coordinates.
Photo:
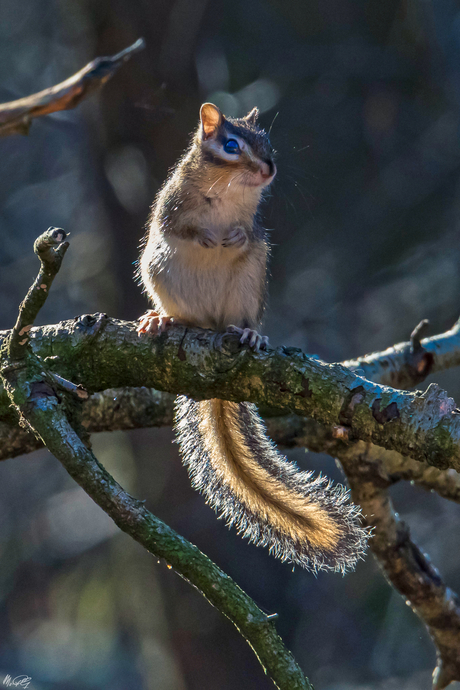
(211, 118)
(251, 118)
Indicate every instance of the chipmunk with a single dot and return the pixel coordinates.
(204, 263)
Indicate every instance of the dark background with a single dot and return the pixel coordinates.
(363, 104)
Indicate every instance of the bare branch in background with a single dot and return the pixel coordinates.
(407, 568)
(291, 431)
(140, 408)
(112, 409)
(16, 116)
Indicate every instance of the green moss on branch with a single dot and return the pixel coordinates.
(101, 353)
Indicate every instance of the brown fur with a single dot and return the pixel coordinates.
(193, 273)
(268, 497)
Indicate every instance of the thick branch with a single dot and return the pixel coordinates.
(16, 116)
(101, 353)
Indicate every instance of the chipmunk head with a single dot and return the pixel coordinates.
(238, 146)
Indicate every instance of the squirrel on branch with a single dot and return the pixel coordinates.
(204, 263)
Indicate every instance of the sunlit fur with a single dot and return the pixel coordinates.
(301, 519)
(190, 276)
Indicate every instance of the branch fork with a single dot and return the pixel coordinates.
(32, 392)
(350, 406)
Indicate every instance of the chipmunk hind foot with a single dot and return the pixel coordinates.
(154, 323)
(250, 337)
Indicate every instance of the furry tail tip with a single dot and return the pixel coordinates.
(301, 519)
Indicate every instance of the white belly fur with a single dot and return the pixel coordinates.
(212, 288)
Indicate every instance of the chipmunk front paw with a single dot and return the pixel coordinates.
(252, 338)
(236, 237)
(154, 323)
(208, 239)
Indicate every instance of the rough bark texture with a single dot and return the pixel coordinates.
(99, 353)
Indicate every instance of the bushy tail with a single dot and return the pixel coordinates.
(237, 468)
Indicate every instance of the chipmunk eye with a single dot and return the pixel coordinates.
(231, 146)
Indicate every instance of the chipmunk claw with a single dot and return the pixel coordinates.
(153, 323)
(252, 338)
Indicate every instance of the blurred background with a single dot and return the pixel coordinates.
(363, 103)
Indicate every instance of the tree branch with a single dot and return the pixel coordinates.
(99, 353)
(16, 116)
(95, 349)
(136, 408)
(50, 249)
(30, 389)
(116, 408)
(407, 364)
(370, 471)
(407, 568)
(46, 416)
(140, 408)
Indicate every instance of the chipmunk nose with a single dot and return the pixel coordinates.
(267, 169)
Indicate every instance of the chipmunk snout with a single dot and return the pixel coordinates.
(267, 169)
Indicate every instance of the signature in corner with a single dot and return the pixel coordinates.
(19, 681)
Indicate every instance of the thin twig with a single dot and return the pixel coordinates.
(416, 335)
(50, 248)
(407, 364)
(70, 387)
(16, 116)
